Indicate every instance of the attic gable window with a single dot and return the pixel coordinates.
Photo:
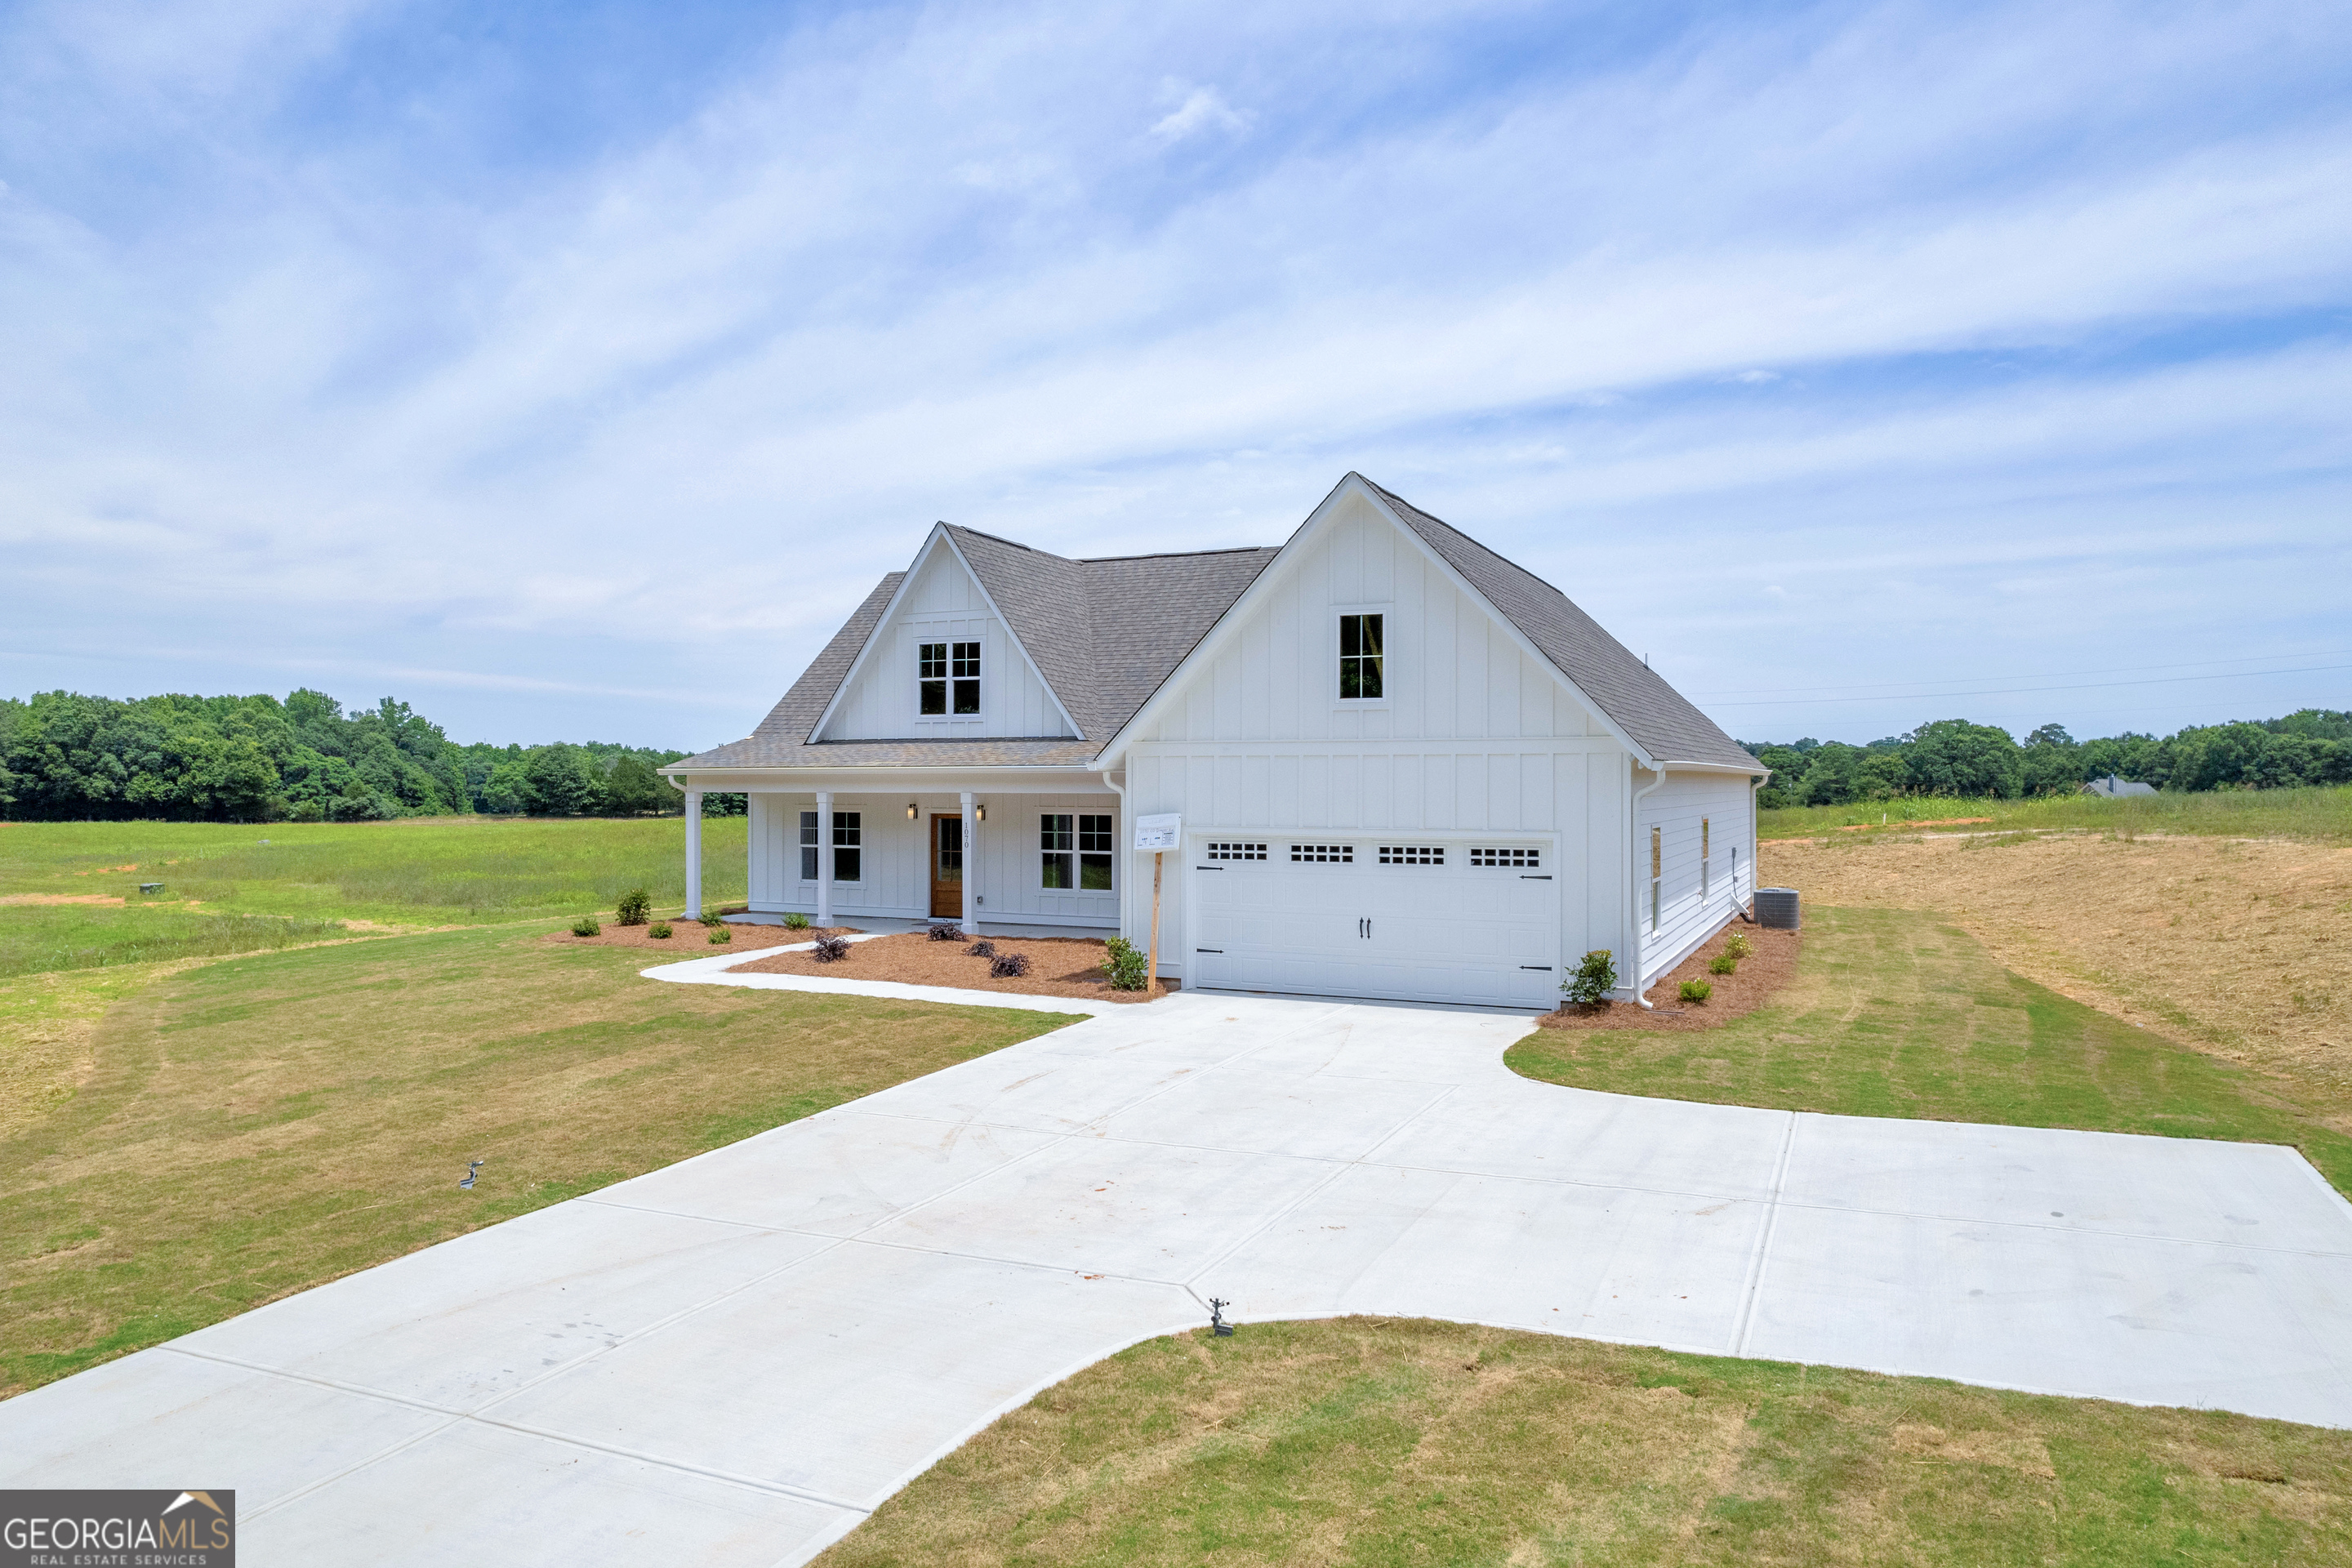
(948, 670)
(1362, 655)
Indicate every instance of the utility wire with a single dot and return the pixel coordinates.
(2020, 690)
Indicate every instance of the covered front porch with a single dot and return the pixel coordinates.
(1039, 857)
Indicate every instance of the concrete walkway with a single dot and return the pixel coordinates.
(731, 1360)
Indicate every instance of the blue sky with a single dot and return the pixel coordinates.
(570, 372)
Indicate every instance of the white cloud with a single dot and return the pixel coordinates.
(1202, 108)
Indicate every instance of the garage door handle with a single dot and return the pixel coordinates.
(1527, 878)
(1208, 867)
(1219, 950)
(1544, 967)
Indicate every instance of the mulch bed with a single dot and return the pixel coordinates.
(1058, 966)
(689, 938)
(1760, 975)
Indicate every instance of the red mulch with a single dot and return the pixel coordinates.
(1059, 965)
(1763, 972)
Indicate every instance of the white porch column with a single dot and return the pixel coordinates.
(694, 854)
(971, 868)
(824, 857)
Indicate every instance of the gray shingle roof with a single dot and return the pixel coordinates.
(1063, 612)
(1636, 696)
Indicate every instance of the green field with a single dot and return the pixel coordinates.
(1896, 1013)
(230, 889)
(2316, 813)
(1375, 1442)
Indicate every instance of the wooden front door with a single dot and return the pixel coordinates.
(947, 868)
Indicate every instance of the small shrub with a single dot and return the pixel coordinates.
(796, 922)
(585, 926)
(718, 934)
(830, 949)
(713, 917)
(658, 930)
(1738, 947)
(1724, 963)
(947, 933)
(1696, 990)
(635, 905)
(1125, 966)
(982, 949)
(1008, 967)
(1593, 979)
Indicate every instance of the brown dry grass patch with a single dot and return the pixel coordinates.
(2239, 947)
(1059, 965)
(1760, 976)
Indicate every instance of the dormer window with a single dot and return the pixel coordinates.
(1362, 658)
(946, 672)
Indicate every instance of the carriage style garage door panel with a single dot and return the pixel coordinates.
(1417, 919)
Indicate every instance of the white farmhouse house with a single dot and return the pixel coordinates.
(1405, 767)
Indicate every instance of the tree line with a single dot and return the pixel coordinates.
(68, 757)
(1954, 757)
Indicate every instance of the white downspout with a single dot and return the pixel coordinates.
(1126, 882)
(1633, 887)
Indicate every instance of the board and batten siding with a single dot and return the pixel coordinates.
(895, 884)
(1474, 737)
(1692, 909)
(943, 604)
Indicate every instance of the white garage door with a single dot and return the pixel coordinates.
(1424, 920)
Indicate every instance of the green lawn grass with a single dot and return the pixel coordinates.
(230, 887)
(1897, 1013)
(258, 1125)
(2320, 812)
(1370, 1441)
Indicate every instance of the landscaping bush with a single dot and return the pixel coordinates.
(585, 926)
(1724, 963)
(1738, 947)
(830, 949)
(947, 933)
(658, 930)
(635, 906)
(1696, 990)
(796, 922)
(1126, 966)
(1009, 966)
(718, 934)
(982, 949)
(1593, 979)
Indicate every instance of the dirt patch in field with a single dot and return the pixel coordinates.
(691, 939)
(1059, 965)
(1771, 965)
(2239, 947)
(59, 898)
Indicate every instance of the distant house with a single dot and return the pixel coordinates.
(2116, 789)
(1405, 767)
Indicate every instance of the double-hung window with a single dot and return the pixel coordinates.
(1658, 872)
(1706, 866)
(947, 678)
(848, 845)
(1075, 852)
(1363, 658)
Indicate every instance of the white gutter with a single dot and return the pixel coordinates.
(1126, 881)
(1632, 890)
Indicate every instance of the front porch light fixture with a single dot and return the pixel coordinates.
(980, 813)
(911, 812)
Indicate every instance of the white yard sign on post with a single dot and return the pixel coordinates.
(1158, 834)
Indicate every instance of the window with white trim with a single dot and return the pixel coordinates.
(1520, 860)
(1220, 850)
(1340, 854)
(808, 847)
(1412, 854)
(1657, 871)
(1363, 658)
(1705, 872)
(947, 678)
(1075, 852)
(848, 846)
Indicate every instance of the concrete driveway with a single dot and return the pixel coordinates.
(731, 1360)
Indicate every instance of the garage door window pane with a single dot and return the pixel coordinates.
(1340, 854)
